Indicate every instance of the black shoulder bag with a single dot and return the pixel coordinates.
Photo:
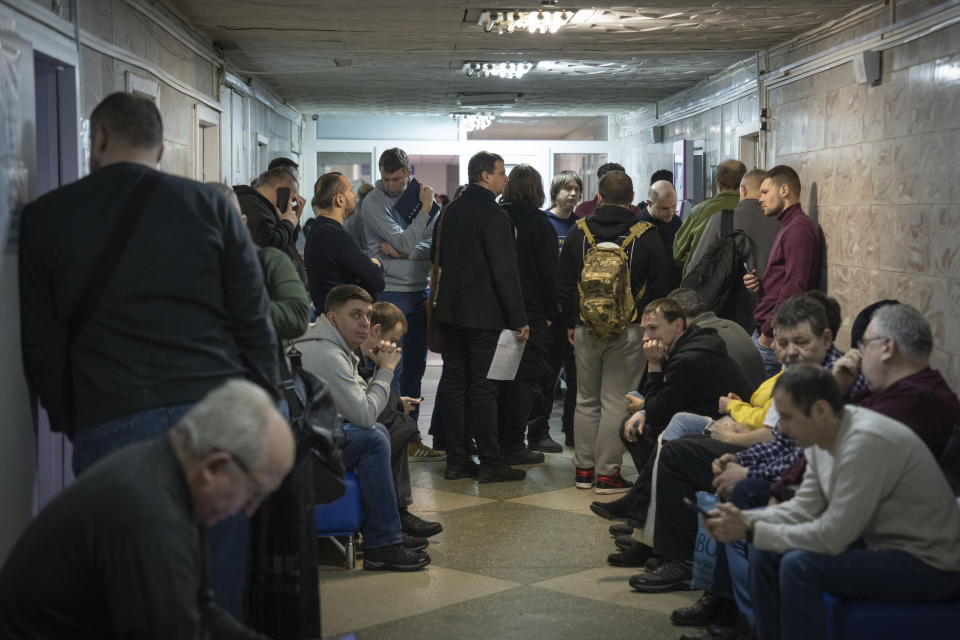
(130, 213)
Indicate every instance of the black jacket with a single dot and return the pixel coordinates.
(537, 259)
(648, 260)
(185, 310)
(333, 257)
(695, 374)
(267, 229)
(668, 231)
(480, 284)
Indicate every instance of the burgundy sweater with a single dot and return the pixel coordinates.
(793, 267)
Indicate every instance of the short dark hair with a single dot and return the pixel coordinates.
(806, 383)
(730, 173)
(662, 174)
(670, 309)
(616, 187)
(782, 174)
(327, 187)
(607, 168)
(393, 160)
(344, 293)
(480, 162)
(525, 186)
(832, 307)
(282, 162)
(561, 179)
(388, 315)
(274, 177)
(692, 302)
(798, 309)
(134, 119)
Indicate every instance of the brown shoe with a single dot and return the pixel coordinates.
(633, 556)
(419, 452)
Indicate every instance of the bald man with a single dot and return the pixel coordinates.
(661, 212)
(729, 174)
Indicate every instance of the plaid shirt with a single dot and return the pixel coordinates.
(767, 460)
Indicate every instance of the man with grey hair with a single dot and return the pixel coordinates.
(660, 210)
(894, 355)
(120, 553)
(273, 207)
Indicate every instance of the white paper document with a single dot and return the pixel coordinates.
(506, 359)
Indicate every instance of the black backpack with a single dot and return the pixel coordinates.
(718, 277)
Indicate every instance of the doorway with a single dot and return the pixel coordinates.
(57, 164)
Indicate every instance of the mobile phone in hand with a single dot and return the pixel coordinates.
(693, 506)
(635, 394)
(283, 199)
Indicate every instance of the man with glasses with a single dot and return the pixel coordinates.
(120, 553)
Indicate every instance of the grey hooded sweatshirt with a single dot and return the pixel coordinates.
(327, 356)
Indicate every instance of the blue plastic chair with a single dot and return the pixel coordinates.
(342, 518)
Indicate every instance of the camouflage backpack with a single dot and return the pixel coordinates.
(607, 303)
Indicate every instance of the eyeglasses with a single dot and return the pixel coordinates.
(863, 343)
(256, 491)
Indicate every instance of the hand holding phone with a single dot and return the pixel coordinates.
(693, 506)
(283, 199)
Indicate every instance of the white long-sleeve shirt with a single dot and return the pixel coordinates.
(879, 483)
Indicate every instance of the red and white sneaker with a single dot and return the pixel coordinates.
(612, 484)
(584, 478)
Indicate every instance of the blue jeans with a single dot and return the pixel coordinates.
(799, 579)
(368, 451)
(89, 445)
(413, 363)
(770, 363)
(683, 423)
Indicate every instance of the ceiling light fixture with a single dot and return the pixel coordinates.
(508, 70)
(511, 20)
(474, 121)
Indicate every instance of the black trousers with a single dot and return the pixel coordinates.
(516, 396)
(559, 355)
(685, 468)
(466, 362)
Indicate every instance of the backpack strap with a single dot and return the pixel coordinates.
(637, 230)
(582, 225)
(726, 222)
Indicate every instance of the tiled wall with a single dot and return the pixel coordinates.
(879, 167)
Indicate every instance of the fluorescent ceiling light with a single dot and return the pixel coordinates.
(486, 99)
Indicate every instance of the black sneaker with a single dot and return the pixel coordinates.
(545, 443)
(621, 530)
(415, 526)
(394, 558)
(500, 472)
(672, 575)
(625, 542)
(620, 509)
(470, 469)
(705, 611)
(413, 543)
(634, 556)
(518, 454)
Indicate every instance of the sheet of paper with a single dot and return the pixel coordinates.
(506, 359)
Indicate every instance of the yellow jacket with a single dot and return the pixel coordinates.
(751, 414)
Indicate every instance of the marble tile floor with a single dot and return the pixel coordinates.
(515, 560)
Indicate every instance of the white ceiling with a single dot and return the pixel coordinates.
(406, 57)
